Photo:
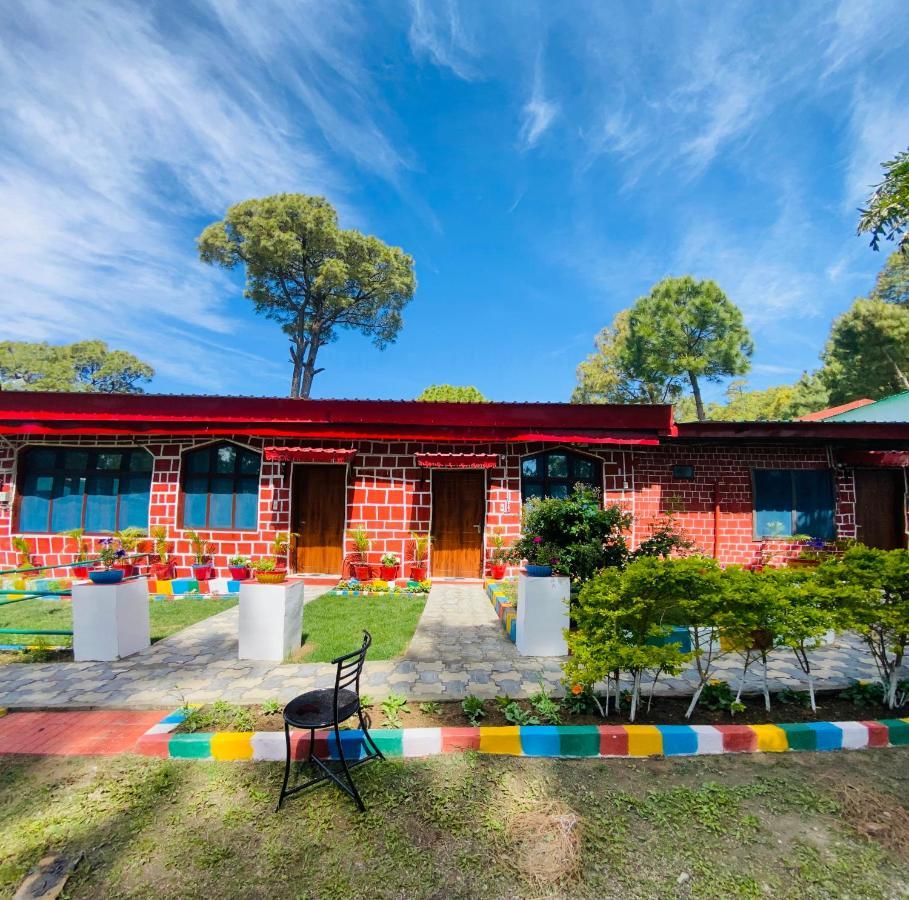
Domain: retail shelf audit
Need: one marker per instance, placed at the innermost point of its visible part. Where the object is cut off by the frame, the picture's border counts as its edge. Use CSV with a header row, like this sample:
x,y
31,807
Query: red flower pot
x,y
203,571
163,571
497,570
239,573
418,572
80,572
389,573
127,567
362,571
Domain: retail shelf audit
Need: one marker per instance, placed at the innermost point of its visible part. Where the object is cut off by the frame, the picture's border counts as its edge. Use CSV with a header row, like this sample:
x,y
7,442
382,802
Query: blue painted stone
x,y
540,740
678,740
829,737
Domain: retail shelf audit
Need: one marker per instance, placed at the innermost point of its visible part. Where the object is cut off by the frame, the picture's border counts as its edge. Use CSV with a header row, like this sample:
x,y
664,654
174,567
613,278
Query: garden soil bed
x,y
665,711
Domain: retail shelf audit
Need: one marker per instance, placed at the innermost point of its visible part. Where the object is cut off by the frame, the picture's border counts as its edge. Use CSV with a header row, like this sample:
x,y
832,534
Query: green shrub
x,y
473,709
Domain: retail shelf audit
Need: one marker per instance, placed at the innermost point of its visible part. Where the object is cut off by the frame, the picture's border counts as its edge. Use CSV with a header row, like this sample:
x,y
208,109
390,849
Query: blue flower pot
x,y
539,571
106,576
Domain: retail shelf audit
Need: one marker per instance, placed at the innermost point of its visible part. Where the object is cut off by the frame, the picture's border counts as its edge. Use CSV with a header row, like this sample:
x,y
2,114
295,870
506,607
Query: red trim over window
x,y
311,454
457,460
875,459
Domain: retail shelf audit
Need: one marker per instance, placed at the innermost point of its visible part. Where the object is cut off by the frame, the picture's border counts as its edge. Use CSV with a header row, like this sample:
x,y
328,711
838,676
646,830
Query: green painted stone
x,y
389,740
899,731
579,740
190,746
800,736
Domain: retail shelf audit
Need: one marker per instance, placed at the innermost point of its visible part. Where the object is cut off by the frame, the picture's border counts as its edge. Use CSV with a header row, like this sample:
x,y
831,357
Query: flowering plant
x,y
390,559
536,551
110,552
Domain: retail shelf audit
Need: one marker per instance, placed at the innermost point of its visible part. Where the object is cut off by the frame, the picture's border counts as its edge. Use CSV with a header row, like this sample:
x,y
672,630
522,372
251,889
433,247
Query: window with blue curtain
x,y
221,488
98,489
794,501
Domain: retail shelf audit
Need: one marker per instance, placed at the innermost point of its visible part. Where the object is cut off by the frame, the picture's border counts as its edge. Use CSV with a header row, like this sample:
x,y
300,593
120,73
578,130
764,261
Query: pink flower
x,y
538,540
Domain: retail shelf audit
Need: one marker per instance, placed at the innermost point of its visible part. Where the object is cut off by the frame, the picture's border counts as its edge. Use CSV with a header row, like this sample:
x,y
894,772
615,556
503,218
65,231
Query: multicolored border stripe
x,y
565,741
504,608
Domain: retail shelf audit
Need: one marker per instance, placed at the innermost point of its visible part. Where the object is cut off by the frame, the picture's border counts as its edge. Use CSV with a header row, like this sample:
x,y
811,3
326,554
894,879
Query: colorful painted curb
x,y
567,741
504,608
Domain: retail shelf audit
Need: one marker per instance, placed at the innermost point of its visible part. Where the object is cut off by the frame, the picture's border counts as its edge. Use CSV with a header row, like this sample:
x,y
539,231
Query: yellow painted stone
x,y
501,739
644,740
770,738
232,745
164,587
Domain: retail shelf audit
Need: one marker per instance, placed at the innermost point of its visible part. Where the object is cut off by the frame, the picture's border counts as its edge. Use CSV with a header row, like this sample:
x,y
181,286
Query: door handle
x,y
479,529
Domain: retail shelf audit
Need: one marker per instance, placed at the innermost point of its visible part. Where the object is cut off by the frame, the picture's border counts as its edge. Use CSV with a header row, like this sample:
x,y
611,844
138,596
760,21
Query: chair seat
x,y
315,709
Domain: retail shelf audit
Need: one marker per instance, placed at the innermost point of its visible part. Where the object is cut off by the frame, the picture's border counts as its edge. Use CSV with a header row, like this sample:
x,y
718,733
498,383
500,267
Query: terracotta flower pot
x,y
163,571
127,568
388,573
203,571
80,572
418,572
362,571
271,577
239,573
497,570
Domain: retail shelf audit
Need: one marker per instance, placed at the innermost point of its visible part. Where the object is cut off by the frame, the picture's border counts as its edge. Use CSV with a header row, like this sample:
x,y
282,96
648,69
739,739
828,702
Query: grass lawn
x,y
333,626
812,825
167,617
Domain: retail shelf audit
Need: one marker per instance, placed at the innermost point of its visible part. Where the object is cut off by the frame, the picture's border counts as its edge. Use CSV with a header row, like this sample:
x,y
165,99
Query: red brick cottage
x,y
240,469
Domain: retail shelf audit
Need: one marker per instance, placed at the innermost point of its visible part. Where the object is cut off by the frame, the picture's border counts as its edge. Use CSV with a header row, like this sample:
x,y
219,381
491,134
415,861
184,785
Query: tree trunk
x,y
309,367
900,377
698,402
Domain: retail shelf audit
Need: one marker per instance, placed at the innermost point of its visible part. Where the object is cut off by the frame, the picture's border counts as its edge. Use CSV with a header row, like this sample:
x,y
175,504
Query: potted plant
x,y
24,549
76,536
110,573
361,547
202,567
267,573
129,539
279,548
499,560
163,569
389,567
420,552
540,557
239,567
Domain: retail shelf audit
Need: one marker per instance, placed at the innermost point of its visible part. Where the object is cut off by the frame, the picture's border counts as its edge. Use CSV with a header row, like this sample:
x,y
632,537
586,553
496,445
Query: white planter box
x,y
271,619
542,616
110,621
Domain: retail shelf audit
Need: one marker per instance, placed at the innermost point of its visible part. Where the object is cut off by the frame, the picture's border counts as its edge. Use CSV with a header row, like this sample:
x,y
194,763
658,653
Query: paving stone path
x,y
458,648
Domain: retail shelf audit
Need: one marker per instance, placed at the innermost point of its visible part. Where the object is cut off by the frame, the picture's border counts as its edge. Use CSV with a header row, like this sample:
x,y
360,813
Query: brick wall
x,y
391,496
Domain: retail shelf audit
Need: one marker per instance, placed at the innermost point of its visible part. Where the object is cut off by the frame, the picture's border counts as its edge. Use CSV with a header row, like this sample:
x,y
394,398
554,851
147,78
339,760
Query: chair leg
x,y
353,788
286,766
368,736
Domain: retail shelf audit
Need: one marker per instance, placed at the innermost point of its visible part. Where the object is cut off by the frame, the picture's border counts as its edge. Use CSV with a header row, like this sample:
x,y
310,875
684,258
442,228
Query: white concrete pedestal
x,y
271,619
542,616
110,621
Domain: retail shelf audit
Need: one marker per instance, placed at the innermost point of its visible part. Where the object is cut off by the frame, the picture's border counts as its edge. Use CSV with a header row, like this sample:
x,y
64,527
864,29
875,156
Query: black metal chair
x,y
328,708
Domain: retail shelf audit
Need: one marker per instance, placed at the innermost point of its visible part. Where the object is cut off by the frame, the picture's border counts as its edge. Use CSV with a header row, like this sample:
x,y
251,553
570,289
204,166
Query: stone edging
x,y
568,741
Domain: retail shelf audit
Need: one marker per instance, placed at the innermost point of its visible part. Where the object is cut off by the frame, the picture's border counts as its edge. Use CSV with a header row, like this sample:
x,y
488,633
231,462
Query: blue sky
x,y
544,163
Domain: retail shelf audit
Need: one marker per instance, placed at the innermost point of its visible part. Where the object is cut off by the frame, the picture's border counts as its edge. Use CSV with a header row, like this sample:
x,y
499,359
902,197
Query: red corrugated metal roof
x,y
834,410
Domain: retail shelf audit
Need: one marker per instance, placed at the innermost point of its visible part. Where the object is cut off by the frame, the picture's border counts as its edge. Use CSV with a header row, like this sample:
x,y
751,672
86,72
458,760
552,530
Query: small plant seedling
x,y
515,715
430,708
502,702
863,693
796,698
473,709
366,701
547,708
271,707
392,706
717,695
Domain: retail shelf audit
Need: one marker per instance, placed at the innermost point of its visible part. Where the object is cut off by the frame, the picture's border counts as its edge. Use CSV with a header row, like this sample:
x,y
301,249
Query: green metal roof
x,y
889,409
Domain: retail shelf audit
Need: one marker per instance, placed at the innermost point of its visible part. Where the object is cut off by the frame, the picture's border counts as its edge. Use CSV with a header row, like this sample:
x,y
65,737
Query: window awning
x,y
457,460
311,454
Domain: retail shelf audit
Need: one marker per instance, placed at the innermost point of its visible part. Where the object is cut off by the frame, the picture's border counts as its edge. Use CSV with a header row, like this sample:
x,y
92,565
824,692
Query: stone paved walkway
x,y
458,649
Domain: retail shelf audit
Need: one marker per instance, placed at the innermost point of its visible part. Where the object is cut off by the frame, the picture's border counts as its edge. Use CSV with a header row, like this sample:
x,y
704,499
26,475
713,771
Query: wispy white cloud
x,y
125,128
437,32
539,112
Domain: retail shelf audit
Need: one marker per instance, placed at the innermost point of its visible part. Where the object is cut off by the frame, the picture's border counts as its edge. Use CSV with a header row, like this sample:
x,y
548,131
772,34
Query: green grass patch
x,y
167,617
464,826
333,626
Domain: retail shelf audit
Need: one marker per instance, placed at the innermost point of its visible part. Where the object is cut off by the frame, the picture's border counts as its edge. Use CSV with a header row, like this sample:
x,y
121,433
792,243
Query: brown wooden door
x,y
458,507
880,508
319,502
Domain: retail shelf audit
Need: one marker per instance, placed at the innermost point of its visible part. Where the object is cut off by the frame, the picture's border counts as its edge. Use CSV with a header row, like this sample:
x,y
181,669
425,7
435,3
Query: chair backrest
x,y
349,668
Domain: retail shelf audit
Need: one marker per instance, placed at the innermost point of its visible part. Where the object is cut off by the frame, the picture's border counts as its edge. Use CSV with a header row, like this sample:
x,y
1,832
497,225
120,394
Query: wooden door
x,y
319,503
880,508
458,513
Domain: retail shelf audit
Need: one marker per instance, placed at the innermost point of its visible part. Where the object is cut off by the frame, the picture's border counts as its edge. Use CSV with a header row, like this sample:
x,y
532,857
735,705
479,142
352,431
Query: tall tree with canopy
x,y
82,366
451,393
687,328
886,214
612,375
312,277
892,282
